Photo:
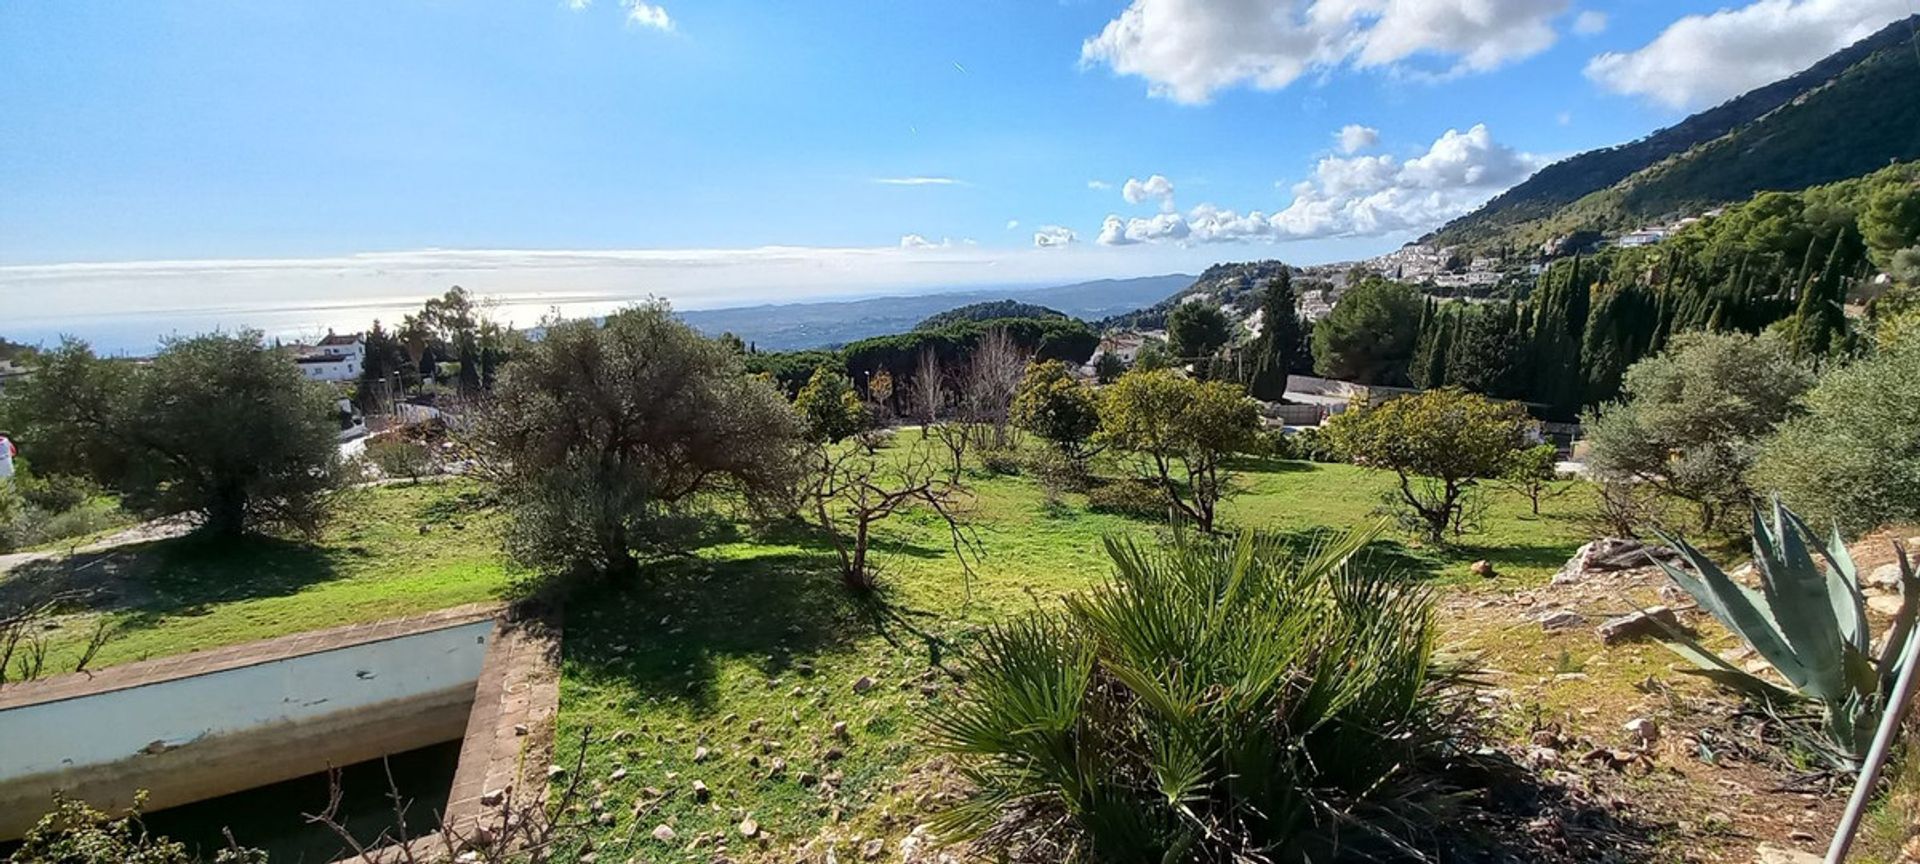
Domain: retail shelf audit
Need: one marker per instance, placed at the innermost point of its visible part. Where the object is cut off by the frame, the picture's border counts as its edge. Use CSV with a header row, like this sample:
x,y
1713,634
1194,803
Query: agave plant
x,y
1810,625
1210,702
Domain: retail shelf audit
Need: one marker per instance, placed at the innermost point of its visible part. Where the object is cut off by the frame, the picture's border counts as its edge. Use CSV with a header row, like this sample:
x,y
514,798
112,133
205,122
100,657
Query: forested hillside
x,y
1847,115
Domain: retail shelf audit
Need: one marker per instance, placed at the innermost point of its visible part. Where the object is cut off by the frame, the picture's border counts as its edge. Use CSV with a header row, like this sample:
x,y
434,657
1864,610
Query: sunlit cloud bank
x,y
125,306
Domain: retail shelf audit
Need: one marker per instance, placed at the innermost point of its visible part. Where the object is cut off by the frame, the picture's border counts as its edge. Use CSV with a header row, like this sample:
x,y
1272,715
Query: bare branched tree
x,y
858,485
515,828
993,376
929,389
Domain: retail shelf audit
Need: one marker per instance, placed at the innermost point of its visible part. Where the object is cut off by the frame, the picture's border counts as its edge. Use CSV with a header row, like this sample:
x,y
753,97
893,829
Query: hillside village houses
x,y
335,358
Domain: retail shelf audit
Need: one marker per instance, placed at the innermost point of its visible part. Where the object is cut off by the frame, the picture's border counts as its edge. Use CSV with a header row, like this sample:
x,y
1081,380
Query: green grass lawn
x,y
389,552
748,651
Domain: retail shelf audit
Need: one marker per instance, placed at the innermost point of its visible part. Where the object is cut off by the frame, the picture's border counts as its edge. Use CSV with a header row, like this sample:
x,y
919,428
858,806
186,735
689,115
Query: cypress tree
x,y
1280,340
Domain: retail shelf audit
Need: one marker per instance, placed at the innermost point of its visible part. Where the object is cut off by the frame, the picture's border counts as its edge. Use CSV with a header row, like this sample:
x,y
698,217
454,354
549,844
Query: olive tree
x,y
1691,419
1183,432
601,434
1853,458
1439,443
219,426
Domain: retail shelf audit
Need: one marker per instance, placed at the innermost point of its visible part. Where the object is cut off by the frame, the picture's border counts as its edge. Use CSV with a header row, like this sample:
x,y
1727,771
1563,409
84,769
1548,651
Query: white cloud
x,y
1155,188
1012,224
1054,236
1564,118
915,241
916,181
1099,185
1352,196
1189,49
577,5
1590,22
644,14
1354,138
1704,59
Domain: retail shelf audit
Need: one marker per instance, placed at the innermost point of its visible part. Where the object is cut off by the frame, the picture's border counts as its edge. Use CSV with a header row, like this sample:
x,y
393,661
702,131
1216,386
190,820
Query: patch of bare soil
x,y
1709,777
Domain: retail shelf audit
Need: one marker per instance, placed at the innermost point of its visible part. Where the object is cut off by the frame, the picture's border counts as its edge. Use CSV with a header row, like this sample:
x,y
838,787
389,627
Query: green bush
x,y
13,518
1002,460
75,833
1210,702
1854,457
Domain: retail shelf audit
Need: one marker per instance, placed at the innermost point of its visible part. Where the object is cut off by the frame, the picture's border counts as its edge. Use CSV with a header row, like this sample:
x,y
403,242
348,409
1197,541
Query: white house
x,y
334,358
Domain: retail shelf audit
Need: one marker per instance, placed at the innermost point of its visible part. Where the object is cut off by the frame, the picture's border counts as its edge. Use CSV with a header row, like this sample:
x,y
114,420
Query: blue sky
x,y
308,133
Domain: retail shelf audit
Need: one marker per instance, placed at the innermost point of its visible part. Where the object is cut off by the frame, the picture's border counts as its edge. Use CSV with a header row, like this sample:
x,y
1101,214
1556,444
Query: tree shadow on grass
x,y
666,635
163,578
1385,555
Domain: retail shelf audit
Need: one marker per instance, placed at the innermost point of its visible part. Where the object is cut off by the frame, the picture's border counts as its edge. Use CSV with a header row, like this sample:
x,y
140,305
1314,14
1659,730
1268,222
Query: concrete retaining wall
x,y
187,729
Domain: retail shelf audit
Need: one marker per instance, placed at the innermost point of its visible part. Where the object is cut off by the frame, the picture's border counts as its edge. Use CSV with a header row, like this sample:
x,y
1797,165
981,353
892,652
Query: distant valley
x,y
794,326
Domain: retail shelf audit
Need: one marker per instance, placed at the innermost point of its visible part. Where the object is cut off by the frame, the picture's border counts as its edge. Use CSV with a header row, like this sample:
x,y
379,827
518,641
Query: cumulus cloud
x,y
1704,59
1187,50
1099,185
1155,188
1590,22
1053,236
1354,138
916,181
644,14
1350,196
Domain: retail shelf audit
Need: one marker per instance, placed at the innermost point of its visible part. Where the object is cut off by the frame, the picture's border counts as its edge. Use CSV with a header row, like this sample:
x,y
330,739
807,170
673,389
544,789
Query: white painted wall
x,y
105,728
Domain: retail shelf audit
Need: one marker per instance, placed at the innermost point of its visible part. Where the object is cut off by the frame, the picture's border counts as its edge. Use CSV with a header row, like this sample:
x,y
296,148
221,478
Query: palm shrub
x,y
1810,625
1210,702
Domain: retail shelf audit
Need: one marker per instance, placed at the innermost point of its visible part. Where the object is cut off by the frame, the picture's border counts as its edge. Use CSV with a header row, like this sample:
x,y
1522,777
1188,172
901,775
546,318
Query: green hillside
x,y
988,311
1847,115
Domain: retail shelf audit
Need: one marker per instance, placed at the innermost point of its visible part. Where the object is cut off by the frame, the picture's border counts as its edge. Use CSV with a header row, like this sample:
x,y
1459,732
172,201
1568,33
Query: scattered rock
x,y
840,729
555,772
664,833
755,724
1610,554
492,797
777,767
1776,855
870,850
1644,731
1637,624
1885,604
1561,619
806,778
520,729
618,774
1482,568
1885,576
700,792
700,754
749,828
863,685
834,754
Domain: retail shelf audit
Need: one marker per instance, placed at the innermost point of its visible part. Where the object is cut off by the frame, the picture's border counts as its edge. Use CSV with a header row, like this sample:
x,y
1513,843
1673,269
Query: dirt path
x,y
145,532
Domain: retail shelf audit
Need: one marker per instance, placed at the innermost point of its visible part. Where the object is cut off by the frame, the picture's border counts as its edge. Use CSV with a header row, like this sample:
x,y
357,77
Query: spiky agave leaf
x,y
1737,607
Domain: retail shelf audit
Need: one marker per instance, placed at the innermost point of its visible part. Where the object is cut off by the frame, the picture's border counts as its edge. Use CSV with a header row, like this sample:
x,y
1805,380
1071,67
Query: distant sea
x,y
142,332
